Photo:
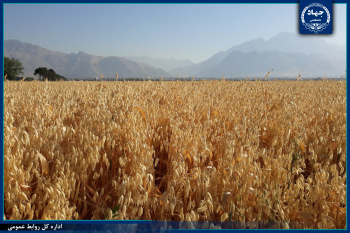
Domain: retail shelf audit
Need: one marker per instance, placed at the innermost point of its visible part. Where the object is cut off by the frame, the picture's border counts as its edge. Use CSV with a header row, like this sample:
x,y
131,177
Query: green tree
x,y
12,67
50,74
42,72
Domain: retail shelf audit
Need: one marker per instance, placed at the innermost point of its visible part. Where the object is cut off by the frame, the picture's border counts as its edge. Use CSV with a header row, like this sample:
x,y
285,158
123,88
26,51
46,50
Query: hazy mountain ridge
x,y
77,65
286,53
165,64
292,43
258,63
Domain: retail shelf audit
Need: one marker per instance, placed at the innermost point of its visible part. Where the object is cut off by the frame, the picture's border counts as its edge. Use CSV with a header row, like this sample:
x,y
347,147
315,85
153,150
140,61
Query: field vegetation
x,y
181,151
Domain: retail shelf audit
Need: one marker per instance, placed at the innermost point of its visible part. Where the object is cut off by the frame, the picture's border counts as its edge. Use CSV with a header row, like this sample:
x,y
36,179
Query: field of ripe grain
x,y
192,151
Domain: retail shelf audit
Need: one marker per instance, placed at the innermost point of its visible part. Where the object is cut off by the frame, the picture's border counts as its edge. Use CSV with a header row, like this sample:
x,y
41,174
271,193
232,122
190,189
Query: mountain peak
x,y
81,53
76,65
288,53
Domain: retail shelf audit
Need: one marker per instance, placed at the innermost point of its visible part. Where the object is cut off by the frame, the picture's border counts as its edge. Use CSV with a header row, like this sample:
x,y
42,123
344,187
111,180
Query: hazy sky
x,y
182,31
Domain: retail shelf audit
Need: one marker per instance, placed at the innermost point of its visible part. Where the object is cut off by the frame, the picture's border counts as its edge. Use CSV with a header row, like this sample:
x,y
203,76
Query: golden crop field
x,y
180,151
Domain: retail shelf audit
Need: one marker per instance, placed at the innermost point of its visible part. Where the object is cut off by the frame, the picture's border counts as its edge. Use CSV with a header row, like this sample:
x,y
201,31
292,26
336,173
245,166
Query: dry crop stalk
x,y
177,151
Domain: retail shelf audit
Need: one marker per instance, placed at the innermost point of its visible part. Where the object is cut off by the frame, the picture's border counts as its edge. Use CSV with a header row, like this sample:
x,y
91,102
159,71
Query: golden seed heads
x,y
195,151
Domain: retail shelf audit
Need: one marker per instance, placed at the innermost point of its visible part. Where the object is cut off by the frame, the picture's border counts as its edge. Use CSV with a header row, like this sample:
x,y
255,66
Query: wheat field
x,y
179,151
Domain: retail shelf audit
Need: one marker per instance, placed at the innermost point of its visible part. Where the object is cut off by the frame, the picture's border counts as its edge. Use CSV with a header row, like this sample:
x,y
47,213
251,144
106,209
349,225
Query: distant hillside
x,y
77,66
165,64
287,53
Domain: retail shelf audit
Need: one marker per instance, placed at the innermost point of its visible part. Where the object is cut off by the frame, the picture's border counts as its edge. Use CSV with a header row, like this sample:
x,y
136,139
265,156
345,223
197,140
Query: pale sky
x,y
181,31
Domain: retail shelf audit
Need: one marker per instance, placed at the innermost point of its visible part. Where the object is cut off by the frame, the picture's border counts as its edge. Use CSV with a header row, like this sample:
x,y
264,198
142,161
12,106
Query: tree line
x,y
13,68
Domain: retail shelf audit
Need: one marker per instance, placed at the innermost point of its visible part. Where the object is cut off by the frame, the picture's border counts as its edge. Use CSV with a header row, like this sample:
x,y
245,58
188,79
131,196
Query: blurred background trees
x,y
12,68
48,74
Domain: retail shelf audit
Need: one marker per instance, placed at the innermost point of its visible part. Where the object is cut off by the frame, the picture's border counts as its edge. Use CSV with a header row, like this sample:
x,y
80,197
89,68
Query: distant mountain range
x,y
165,64
288,54
77,65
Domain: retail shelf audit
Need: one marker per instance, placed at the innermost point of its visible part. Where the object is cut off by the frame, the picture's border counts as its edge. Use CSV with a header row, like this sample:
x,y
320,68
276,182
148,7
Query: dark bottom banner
x,y
148,226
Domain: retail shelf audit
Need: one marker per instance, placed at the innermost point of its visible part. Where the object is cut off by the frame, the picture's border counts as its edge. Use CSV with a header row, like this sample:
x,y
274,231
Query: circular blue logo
x,y
315,17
